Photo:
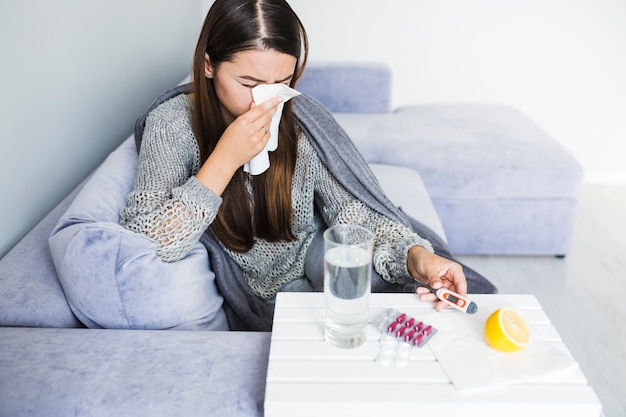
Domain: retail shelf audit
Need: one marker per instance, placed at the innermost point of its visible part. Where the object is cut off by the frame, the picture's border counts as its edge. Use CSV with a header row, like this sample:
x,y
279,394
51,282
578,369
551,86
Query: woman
x,y
191,187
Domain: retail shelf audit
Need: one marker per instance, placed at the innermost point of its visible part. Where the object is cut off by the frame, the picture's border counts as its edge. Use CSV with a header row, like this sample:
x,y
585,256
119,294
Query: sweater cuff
x,y
201,196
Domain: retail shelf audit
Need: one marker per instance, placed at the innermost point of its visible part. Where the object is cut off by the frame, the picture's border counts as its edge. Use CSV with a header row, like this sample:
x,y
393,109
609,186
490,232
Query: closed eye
x,y
255,81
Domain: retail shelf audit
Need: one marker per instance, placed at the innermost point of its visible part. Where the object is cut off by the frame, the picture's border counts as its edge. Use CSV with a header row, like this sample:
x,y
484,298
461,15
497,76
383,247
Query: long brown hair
x,y
233,26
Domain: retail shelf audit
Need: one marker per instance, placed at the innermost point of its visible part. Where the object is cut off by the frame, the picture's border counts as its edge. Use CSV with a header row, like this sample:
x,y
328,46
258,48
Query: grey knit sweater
x,y
169,205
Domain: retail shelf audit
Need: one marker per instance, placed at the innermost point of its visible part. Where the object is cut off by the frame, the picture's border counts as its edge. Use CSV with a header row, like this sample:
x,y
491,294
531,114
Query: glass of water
x,y
347,283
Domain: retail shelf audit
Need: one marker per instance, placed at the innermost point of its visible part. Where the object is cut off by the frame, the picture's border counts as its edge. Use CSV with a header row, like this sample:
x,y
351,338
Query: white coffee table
x,y
308,377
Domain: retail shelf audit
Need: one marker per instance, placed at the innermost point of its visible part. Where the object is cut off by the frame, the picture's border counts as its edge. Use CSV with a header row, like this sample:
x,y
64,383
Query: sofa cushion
x,y
112,277
131,373
30,292
348,87
493,151
500,183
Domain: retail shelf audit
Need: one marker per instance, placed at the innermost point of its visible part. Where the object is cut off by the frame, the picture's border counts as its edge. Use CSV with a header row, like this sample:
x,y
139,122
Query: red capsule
x,y
409,335
419,326
400,331
401,318
410,322
392,326
428,330
418,339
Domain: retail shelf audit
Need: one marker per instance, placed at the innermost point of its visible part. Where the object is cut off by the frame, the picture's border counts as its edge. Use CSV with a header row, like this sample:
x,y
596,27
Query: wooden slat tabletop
x,y
309,377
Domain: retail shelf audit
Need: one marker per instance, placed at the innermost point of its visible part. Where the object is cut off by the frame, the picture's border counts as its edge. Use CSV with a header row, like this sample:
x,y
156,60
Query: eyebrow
x,y
251,78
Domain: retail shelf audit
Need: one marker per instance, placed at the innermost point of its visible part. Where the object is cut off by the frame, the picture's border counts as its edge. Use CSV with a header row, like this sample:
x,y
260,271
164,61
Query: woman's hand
x,y
437,272
242,140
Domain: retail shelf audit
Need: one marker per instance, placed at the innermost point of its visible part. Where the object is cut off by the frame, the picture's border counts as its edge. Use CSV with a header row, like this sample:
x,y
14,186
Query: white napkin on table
x,y
471,364
261,162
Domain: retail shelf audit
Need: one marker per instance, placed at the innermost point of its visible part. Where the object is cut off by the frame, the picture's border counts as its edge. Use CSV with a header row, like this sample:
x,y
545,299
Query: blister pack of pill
x,y
400,333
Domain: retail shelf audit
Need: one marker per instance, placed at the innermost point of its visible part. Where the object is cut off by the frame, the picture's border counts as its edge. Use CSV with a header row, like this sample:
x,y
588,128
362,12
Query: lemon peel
x,y
506,330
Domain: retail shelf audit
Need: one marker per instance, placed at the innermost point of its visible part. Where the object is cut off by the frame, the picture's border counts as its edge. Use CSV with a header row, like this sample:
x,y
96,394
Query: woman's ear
x,y
208,68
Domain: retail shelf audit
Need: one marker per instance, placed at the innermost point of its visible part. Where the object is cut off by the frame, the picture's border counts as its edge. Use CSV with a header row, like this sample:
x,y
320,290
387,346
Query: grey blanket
x,y
246,311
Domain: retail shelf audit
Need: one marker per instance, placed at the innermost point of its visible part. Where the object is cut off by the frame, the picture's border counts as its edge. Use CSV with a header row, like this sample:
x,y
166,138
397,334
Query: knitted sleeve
x,y
392,240
168,204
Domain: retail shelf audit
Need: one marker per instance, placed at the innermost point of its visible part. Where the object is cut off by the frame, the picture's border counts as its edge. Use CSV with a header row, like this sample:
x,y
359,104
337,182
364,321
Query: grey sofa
x,y
483,177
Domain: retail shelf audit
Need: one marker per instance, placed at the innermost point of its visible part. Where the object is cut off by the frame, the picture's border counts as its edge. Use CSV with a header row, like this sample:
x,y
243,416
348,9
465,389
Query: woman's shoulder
x,y
169,126
177,108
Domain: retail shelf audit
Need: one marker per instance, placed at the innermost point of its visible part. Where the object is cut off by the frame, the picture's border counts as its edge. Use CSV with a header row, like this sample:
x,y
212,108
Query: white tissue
x,y
261,162
472,365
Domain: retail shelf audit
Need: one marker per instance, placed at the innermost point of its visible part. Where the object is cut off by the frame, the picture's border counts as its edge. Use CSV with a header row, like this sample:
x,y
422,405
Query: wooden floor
x,y
584,294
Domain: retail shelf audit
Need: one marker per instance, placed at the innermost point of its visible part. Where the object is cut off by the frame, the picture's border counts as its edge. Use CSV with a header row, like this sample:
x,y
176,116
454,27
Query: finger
x,y
435,282
422,290
265,120
428,297
440,305
457,279
266,108
461,283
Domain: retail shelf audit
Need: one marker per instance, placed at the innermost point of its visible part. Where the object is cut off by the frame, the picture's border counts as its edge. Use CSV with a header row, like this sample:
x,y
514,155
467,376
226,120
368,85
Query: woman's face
x,y
235,79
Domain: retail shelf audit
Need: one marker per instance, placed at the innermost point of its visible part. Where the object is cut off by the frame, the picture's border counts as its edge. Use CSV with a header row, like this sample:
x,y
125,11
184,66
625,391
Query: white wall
x,y
74,75
562,62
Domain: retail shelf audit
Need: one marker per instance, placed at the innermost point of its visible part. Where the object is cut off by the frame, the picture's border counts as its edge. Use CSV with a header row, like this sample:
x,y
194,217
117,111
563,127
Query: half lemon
x,y
506,330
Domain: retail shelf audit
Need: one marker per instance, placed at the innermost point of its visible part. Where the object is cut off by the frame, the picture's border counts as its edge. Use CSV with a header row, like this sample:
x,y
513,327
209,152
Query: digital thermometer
x,y
453,299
